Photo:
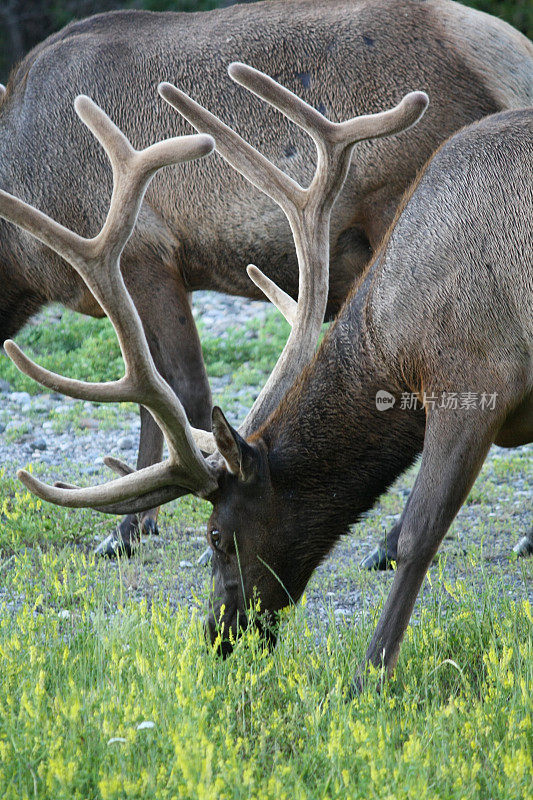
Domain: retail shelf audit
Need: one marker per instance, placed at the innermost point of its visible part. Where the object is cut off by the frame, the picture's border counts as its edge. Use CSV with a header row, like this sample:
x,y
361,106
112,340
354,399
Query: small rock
x,y
145,725
91,470
88,423
39,444
20,397
40,408
125,443
205,558
186,564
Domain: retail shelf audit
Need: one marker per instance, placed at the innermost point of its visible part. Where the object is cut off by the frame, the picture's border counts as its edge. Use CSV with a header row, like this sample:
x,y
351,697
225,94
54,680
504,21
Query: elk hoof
x,y
356,687
524,546
205,558
113,546
379,558
125,540
149,527
358,684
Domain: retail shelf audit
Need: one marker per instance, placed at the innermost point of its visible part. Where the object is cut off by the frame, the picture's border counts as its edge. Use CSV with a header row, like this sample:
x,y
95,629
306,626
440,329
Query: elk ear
x,y
235,451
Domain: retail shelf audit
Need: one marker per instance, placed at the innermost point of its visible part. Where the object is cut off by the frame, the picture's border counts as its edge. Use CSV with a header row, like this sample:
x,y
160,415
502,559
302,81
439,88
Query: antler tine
x,y
113,391
97,261
134,505
283,301
64,242
292,106
307,210
152,499
139,501
117,465
117,146
385,123
242,156
132,171
131,485
310,223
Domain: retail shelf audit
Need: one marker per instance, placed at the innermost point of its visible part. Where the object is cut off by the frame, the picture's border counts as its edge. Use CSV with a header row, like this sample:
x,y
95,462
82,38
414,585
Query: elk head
x,y
246,557
253,526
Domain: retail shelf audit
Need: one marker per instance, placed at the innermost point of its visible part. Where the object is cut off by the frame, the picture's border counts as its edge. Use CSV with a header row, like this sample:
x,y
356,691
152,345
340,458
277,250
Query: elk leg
x,y
387,550
382,556
17,305
451,460
128,533
177,352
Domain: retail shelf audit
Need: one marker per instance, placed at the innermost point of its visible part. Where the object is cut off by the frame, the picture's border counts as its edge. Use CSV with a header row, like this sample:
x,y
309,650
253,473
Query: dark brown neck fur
x,y
331,452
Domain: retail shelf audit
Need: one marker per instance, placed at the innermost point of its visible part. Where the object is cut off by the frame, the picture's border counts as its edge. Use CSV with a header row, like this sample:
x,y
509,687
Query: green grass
x,y
82,664
247,359
77,346
85,348
90,650
26,521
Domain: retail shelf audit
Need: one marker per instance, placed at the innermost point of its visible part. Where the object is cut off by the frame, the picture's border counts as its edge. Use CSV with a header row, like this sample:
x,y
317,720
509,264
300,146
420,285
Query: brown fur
x,y
202,223
444,307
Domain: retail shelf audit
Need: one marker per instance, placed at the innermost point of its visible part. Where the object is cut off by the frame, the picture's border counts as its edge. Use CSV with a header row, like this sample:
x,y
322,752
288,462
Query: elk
x,y
444,308
200,222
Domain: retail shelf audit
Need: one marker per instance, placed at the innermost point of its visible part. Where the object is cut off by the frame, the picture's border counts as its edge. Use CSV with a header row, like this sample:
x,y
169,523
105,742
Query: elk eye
x,y
215,538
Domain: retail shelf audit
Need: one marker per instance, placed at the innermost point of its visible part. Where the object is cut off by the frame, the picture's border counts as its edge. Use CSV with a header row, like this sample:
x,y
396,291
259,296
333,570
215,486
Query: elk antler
x,y
97,260
307,210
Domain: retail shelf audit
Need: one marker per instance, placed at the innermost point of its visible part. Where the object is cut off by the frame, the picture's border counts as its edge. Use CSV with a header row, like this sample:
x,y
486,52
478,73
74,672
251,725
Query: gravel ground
x,y
28,432
487,527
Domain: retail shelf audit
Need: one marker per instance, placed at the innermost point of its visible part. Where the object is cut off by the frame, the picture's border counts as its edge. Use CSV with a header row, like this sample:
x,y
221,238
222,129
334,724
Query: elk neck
x,y
331,451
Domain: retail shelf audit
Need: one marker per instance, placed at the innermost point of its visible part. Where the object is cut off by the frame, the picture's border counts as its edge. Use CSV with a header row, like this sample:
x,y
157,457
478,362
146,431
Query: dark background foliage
x,y
24,23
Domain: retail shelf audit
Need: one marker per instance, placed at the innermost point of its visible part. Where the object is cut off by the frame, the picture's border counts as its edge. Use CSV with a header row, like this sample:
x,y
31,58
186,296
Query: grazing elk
x,y
200,222
444,308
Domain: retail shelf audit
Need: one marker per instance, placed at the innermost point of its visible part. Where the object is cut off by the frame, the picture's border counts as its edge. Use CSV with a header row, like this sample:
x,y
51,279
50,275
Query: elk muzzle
x,y
224,630
223,627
